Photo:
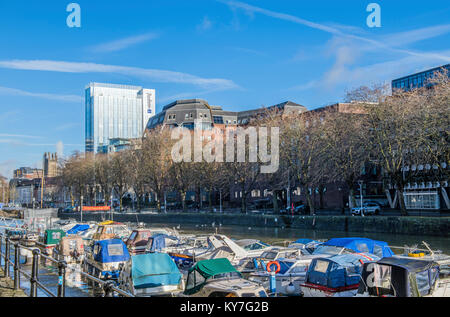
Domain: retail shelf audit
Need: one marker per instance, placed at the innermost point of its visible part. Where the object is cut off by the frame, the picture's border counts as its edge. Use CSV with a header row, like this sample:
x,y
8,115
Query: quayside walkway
x,y
7,287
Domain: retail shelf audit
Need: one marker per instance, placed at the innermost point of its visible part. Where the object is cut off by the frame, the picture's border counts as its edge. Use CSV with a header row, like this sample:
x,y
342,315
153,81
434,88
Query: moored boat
x,y
151,274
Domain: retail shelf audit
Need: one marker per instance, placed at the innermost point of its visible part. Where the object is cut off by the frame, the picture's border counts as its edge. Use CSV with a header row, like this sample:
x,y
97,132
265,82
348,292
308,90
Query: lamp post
x,y
360,182
33,217
81,208
111,208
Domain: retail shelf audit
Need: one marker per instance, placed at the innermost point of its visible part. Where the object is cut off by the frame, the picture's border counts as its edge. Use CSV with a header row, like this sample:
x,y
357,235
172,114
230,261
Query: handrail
x,y
108,287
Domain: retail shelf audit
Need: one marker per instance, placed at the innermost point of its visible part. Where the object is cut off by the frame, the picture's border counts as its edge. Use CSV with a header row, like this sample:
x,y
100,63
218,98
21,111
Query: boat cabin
x,y
151,274
111,230
401,277
338,275
137,241
106,258
70,249
218,278
49,240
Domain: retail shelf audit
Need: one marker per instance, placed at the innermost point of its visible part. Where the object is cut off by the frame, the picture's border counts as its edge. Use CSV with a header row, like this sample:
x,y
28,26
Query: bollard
x,y
7,257
62,279
108,288
16,266
34,273
273,283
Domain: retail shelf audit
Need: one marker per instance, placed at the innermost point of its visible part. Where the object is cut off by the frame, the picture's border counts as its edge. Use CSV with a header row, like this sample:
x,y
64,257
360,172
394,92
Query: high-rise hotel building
x,y
116,112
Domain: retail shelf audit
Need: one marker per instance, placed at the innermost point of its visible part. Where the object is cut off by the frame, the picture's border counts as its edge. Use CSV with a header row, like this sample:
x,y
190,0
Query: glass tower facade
x,y
116,112
418,80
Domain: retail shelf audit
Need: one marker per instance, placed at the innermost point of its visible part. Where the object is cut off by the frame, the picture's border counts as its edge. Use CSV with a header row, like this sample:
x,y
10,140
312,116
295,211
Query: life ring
x,y
272,263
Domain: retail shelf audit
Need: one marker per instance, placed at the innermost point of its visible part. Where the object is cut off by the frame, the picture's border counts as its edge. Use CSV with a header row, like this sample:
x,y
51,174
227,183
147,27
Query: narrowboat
x,y
151,274
335,276
106,258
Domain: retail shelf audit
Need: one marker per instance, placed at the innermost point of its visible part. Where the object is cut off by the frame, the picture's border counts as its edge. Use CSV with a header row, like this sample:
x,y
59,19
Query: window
x,y
321,266
218,119
115,249
362,247
378,250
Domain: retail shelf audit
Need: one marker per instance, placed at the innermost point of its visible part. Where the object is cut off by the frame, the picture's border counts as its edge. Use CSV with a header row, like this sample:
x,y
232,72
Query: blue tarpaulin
x,y
158,242
77,228
112,250
378,248
339,270
153,270
304,241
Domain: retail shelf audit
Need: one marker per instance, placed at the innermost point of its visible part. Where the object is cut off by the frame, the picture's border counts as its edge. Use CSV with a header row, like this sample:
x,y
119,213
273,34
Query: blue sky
x,y
239,55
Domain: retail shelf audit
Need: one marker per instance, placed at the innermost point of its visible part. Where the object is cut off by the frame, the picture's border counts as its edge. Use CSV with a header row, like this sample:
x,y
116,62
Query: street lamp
x,y
360,182
111,208
81,208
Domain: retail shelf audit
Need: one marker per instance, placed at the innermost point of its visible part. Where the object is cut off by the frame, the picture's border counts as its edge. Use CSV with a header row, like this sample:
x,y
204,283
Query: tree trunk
x,y
401,201
183,200
310,203
244,203
276,208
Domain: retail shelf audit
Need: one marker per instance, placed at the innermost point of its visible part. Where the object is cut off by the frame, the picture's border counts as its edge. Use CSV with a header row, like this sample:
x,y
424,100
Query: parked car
x,y
369,208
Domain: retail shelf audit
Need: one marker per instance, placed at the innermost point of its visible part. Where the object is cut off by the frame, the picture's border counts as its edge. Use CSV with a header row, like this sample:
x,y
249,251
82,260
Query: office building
x,y
116,112
418,80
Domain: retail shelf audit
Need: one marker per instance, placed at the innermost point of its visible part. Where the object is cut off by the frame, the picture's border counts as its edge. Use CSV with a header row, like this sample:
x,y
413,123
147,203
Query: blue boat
x,y
335,276
354,245
77,229
106,259
151,274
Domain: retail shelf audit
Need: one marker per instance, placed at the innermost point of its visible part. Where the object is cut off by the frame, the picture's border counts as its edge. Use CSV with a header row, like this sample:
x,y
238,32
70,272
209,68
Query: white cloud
x,y
205,25
19,92
19,136
121,44
156,75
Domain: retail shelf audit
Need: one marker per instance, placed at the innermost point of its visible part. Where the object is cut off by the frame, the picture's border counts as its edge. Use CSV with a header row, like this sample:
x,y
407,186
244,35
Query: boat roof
x,y
209,268
411,265
351,259
78,228
107,253
154,269
360,245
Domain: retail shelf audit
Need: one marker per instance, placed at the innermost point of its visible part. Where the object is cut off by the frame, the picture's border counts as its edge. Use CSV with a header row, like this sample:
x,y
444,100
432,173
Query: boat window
x,y
133,235
99,229
321,266
115,249
299,269
145,235
96,249
327,249
262,294
383,276
423,284
109,230
269,255
227,275
378,250
362,247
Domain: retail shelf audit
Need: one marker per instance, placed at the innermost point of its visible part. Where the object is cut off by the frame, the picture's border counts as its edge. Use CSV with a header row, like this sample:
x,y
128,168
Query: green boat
x,y
49,240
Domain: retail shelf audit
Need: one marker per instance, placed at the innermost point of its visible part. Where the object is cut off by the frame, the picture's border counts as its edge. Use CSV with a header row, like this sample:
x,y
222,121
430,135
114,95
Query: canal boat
x,y
335,276
290,274
15,234
218,278
138,240
49,240
106,258
70,249
403,277
151,274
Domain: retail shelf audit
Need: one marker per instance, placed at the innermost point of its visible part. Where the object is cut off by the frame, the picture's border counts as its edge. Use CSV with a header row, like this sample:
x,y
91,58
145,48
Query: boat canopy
x,y
364,245
399,277
305,241
78,228
159,241
204,270
112,250
338,271
53,236
154,270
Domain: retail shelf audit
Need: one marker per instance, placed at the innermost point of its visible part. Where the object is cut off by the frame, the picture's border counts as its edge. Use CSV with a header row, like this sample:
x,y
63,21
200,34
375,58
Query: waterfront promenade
x,y
7,287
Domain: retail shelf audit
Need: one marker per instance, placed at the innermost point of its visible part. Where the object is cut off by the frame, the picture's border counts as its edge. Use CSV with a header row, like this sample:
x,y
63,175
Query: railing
x,y
108,287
